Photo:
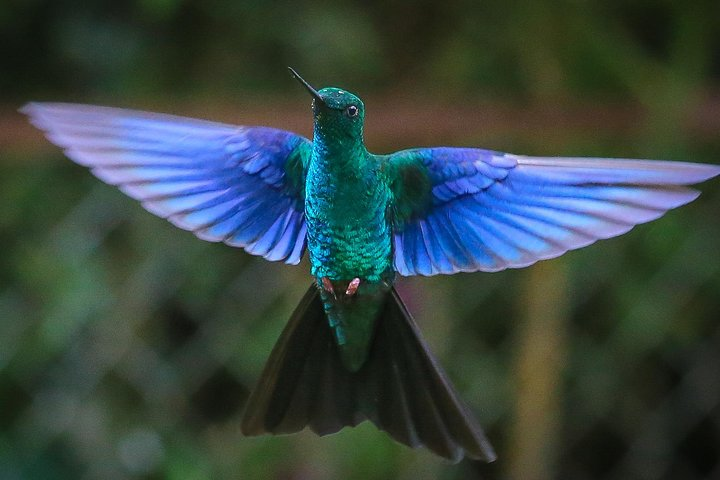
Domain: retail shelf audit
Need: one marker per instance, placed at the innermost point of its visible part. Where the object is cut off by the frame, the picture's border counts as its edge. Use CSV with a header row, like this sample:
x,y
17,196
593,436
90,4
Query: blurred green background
x,y
128,347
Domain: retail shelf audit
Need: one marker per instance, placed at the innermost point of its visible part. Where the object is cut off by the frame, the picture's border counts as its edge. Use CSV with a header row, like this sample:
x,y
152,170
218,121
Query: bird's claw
x,y
352,287
328,286
351,290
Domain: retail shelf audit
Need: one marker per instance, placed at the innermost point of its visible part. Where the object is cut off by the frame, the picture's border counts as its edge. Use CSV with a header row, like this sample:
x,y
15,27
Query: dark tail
x,y
401,388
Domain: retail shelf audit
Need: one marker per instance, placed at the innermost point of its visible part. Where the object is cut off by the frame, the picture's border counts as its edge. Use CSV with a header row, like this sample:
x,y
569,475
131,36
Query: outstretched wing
x,y
240,185
465,210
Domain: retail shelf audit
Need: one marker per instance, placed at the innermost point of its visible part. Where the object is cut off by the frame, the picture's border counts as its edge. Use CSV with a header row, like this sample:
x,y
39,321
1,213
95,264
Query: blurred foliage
x,y
128,347
528,49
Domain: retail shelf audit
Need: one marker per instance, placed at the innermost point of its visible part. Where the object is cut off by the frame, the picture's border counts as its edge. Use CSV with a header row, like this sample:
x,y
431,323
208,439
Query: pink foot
x,y
327,285
352,287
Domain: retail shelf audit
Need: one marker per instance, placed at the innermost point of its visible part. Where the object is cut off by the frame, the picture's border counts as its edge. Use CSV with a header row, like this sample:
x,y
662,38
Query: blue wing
x,y
240,185
465,210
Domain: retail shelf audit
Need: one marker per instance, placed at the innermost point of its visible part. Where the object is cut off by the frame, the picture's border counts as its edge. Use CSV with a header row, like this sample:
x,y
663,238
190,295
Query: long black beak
x,y
305,84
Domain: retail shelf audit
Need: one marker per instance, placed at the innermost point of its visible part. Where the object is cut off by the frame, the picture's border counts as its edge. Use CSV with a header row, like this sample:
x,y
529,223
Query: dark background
x,y
128,347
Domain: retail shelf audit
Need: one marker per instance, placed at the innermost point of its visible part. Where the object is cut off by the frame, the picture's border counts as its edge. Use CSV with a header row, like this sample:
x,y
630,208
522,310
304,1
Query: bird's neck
x,y
340,152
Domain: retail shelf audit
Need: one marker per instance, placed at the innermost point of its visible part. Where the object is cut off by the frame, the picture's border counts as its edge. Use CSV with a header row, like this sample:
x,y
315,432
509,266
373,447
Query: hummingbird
x,y
351,351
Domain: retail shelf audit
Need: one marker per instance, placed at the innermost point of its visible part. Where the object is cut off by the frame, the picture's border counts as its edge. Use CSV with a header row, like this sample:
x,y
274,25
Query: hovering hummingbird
x,y
351,351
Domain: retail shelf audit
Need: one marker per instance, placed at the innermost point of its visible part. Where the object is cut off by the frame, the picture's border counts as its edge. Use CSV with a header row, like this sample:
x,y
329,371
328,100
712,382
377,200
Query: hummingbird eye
x,y
352,111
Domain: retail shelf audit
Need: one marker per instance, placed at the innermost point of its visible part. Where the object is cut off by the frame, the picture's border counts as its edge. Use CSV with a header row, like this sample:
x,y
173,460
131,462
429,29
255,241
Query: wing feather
x,y
225,183
489,211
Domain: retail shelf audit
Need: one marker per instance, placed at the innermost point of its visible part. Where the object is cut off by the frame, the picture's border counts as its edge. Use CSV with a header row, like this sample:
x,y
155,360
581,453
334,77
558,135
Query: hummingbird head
x,y
337,112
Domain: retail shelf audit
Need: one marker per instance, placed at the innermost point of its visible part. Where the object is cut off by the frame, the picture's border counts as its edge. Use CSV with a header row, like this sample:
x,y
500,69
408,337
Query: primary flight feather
x,y
351,351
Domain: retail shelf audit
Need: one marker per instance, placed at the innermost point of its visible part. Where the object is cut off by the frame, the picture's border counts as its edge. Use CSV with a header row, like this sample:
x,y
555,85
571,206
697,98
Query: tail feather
x,y
400,388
